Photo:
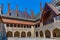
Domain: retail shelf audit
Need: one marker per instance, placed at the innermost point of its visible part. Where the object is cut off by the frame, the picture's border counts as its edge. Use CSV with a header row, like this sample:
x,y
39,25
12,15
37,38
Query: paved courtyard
x,y
33,38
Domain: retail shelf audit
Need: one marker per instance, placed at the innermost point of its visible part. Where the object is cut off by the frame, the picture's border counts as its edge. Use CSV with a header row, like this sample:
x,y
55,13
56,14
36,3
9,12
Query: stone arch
x,y
23,34
56,32
29,34
9,34
16,34
36,34
47,34
41,34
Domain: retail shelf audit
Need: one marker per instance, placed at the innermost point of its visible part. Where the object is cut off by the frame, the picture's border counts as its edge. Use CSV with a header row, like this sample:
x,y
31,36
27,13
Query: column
x,y
51,34
13,34
13,30
38,34
20,34
44,34
32,31
55,20
23,26
9,25
41,24
5,26
26,34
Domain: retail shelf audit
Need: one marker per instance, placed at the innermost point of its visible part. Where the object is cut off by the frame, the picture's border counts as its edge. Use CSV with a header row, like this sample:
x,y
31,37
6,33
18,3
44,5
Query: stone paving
x,y
33,38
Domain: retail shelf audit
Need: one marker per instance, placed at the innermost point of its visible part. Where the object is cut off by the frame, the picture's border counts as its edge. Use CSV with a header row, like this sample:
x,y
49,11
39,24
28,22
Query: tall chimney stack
x,y
9,9
25,13
32,14
2,8
17,10
41,8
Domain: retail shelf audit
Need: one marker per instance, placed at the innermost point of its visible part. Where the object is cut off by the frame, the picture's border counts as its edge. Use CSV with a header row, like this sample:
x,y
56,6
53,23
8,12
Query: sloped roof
x,y
54,9
20,18
49,7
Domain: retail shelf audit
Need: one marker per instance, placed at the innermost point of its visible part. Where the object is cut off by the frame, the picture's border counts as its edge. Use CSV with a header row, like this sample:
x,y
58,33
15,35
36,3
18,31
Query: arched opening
x,y
47,34
16,34
41,34
56,32
9,34
29,34
36,34
23,34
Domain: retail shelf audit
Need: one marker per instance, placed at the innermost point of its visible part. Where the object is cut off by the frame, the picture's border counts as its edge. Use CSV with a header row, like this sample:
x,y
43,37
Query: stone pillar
x,y
51,34
13,30
41,24
32,31
26,34
38,34
44,34
13,34
5,27
20,34
55,20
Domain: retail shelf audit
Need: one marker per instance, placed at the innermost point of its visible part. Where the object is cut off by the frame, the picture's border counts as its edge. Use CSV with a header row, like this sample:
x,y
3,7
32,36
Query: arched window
x,y
36,34
56,32
9,34
47,34
23,34
41,34
29,34
16,34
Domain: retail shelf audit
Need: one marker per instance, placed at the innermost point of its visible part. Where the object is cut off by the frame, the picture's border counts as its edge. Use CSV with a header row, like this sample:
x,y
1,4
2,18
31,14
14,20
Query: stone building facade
x,y
23,25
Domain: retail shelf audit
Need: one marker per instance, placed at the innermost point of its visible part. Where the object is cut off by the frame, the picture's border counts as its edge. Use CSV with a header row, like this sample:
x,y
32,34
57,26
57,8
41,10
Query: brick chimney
x,y
2,8
32,14
41,8
16,10
25,13
9,9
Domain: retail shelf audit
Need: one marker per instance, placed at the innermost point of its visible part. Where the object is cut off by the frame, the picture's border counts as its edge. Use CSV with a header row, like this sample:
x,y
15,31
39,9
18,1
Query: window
x,y
24,26
27,26
7,24
11,25
30,26
18,25
36,34
36,26
14,25
21,25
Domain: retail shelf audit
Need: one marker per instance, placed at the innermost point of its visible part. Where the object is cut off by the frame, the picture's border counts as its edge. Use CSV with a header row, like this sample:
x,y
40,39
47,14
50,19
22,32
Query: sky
x,y
29,4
